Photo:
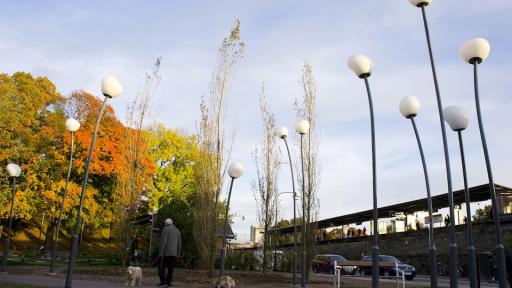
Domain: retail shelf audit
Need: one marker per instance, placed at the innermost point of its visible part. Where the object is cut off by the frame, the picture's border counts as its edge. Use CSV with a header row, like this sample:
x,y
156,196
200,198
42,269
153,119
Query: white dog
x,y
223,282
133,276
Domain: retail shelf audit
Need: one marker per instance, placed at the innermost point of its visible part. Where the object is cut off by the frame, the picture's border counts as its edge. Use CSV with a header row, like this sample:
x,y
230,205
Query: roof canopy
x,y
477,194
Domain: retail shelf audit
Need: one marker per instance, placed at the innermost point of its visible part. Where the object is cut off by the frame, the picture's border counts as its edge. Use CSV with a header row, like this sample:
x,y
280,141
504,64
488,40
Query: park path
x,y
51,282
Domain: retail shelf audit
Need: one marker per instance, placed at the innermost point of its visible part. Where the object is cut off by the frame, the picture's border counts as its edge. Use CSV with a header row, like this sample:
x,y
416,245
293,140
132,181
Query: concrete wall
x,y
412,246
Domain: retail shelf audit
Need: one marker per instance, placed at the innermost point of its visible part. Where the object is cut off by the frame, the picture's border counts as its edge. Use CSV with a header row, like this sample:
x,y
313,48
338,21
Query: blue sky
x,y
76,43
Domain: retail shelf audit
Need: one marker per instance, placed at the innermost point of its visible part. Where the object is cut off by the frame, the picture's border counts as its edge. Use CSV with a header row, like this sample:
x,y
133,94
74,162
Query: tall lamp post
x,y
72,126
362,67
110,88
474,52
409,107
457,118
14,172
453,244
152,214
302,127
235,170
283,133
275,228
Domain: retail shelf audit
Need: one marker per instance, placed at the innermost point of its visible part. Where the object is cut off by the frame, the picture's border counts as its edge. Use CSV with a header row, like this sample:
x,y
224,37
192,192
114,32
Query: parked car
x,y
409,270
324,263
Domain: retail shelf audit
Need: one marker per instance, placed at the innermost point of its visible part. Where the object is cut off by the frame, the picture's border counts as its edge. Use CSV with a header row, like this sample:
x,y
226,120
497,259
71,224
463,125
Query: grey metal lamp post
x,y
457,118
14,172
283,133
302,127
453,244
362,67
474,52
72,126
152,214
235,170
110,88
409,107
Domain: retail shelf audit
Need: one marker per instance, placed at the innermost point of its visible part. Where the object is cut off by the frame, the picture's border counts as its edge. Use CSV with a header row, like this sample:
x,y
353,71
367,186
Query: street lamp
x,y
453,244
110,88
14,172
72,126
362,67
283,133
474,52
235,170
302,127
457,118
152,214
409,107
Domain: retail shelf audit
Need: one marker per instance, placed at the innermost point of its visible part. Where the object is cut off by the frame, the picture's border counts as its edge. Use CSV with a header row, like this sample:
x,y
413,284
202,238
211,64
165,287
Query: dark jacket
x,y
170,241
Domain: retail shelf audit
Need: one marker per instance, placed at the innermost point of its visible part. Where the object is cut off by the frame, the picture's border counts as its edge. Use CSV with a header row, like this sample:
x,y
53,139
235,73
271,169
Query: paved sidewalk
x,y
52,282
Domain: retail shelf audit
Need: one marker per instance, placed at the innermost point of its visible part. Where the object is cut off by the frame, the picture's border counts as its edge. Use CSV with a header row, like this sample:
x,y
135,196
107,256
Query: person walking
x,y
169,250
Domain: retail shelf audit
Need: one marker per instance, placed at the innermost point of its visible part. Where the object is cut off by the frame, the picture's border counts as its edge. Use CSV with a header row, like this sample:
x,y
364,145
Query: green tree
x,y
483,215
181,211
175,156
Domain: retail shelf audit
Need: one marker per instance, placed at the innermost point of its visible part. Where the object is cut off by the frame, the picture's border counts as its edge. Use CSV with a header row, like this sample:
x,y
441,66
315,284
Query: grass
x,y
81,262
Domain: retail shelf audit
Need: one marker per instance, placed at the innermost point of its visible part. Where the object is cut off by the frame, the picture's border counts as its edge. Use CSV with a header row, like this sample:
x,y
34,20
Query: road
x,y
420,281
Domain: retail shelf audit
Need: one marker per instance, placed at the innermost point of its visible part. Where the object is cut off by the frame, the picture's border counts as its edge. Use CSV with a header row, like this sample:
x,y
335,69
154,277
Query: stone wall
x,y
412,246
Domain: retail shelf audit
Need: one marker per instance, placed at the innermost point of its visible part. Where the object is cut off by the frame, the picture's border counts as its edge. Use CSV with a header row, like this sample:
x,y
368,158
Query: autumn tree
x,y
30,135
108,165
213,151
305,108
267,158
32,116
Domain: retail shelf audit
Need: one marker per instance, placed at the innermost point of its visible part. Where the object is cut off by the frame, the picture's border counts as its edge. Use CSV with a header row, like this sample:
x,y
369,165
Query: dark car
x,y
324,263
409,270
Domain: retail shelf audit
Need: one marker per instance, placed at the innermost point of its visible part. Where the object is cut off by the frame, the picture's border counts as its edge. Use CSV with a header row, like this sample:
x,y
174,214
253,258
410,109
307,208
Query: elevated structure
x,y
478,194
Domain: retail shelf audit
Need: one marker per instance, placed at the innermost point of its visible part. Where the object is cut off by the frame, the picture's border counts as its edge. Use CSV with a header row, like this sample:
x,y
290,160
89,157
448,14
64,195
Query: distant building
x,y
256,234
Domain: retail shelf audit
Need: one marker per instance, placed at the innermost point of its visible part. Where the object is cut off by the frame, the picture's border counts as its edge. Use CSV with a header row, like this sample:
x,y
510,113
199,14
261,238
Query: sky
x,y
76,43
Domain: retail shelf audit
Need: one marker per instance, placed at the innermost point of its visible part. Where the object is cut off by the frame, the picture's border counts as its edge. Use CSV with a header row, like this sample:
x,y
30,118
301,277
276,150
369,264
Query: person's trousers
x,y
166,262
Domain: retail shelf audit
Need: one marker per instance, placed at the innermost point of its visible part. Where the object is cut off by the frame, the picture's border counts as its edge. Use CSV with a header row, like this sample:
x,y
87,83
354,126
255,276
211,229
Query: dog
x,y
133,276
223,282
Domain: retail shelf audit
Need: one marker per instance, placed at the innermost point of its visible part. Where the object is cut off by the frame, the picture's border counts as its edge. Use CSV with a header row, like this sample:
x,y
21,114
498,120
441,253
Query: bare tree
x,y
133,186
267,159
305,108
213,153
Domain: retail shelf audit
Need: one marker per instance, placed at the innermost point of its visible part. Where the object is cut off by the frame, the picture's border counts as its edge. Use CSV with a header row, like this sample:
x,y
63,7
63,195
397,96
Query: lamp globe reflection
x,y
13,170
457,117
475,50
110,87
72,125
409,106
361,65
282,132
302,127
236,170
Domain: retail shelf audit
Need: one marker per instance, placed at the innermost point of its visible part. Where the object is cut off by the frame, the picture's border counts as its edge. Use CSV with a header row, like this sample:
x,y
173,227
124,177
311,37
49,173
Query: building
x,y
256,235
